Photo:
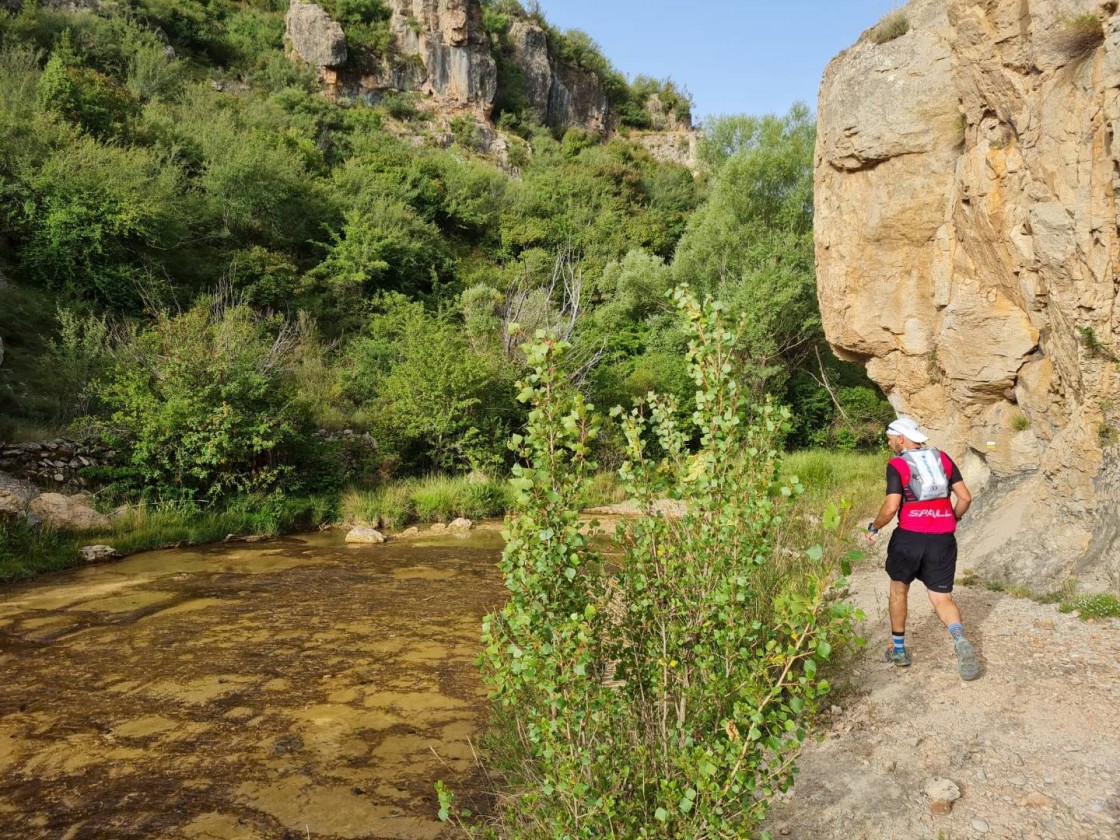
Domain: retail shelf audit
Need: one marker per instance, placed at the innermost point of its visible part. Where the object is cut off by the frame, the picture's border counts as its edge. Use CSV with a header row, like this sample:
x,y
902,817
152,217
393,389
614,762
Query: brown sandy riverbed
x,y
292,688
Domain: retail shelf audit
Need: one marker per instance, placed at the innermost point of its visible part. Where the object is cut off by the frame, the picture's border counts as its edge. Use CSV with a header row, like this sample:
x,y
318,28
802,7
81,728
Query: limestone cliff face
x,y
967,245
455,59
441,49
562,96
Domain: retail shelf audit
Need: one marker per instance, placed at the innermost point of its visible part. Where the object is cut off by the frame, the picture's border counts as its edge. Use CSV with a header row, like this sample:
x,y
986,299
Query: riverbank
x,y
27,551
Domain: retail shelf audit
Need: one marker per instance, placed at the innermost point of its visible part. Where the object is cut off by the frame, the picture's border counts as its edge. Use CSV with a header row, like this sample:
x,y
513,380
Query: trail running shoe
x,y
966,659
898,657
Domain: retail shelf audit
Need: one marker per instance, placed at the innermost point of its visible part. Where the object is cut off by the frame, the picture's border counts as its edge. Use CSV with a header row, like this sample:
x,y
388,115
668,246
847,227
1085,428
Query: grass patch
x,y
852,481
1080,36
893,25
385,507
483,499
26,551
1102,605
1094,345
603,489
435,498
831,477
968,578
1107,434
1020,423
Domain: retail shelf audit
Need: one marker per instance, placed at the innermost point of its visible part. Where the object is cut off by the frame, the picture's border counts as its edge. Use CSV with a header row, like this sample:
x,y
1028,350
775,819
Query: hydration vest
x,y
925,474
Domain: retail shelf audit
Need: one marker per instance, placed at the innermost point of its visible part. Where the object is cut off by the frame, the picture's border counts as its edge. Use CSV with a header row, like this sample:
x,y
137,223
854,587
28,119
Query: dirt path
x,y
1033,745
295,688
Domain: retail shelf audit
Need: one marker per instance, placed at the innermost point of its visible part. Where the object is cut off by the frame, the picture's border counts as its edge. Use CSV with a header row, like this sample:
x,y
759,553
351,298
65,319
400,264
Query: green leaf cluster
x,y
204,407
657,683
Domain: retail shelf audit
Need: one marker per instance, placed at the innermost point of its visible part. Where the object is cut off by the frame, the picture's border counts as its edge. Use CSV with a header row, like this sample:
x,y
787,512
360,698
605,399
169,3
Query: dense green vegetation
x,y
661,693
209,263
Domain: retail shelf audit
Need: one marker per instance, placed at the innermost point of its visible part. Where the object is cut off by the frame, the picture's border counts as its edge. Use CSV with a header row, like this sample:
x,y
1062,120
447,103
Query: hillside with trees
x,y
219,270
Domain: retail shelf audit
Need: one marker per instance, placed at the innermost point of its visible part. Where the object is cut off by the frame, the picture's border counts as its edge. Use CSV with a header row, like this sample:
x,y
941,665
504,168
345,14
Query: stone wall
x,y
967,242
54,464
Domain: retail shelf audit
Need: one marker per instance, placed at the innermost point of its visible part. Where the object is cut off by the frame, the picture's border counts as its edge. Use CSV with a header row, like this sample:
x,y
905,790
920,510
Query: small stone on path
x,y
980,826
1037,800
942,793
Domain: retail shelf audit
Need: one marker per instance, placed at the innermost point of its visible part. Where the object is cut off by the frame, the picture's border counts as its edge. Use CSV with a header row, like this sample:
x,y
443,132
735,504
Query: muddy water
x,y
293,688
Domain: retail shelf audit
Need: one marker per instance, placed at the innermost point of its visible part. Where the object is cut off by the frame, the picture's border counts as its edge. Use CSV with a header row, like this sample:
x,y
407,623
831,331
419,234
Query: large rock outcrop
x,y
314,36
562,96
453,51
967,244
440,48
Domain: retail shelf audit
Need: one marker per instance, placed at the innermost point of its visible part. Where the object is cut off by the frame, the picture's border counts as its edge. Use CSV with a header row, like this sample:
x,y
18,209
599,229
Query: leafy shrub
x,y
153,77
635,111
436,403
400,106
261,186
254,36
465,131
578,50
87,98
357,11
203,408
384,247
893,25
94,216
264,278
74,363
662,695
191,25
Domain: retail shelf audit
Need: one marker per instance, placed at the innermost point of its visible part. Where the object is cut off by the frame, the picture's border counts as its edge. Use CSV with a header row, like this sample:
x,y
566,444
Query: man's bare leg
x,y
897,602
950,615
896,653
945,607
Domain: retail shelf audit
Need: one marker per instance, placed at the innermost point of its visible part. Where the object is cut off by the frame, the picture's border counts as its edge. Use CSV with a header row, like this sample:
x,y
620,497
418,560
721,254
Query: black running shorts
x,y
931,558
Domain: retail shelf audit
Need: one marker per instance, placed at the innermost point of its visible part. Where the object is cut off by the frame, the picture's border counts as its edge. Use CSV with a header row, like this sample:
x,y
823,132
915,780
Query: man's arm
x,y
886,513
963,500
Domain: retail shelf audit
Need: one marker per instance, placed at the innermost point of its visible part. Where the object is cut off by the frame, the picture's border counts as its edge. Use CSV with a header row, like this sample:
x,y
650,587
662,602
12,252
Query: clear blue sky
x,y
745,57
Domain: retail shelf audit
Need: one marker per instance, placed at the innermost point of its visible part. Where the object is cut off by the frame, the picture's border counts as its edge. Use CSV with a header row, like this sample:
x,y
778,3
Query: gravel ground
x,y
1032,746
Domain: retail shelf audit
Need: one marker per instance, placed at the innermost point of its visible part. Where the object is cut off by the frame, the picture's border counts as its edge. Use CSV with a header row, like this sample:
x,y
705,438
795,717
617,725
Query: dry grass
x,y
893,25
1080,36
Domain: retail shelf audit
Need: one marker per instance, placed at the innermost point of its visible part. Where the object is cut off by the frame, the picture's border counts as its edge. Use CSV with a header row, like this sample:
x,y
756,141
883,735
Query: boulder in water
x,y
94,553
367,536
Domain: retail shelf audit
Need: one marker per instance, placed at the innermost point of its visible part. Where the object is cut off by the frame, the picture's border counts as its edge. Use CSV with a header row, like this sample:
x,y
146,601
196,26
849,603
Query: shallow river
x,y
286,689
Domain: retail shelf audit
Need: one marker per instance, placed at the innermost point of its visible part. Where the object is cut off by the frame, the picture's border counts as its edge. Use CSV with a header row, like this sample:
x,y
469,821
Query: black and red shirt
x,y
934,516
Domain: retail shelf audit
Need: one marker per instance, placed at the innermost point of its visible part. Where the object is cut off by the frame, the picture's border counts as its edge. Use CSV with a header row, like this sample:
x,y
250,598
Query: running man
x,y
924,545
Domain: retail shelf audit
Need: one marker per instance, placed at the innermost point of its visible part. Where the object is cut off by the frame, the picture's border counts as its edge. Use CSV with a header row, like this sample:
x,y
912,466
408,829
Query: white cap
x,y
908,429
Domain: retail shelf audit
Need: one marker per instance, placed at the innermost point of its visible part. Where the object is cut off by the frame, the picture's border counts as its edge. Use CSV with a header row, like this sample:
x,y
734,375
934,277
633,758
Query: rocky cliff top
x,y
966,235
441,50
